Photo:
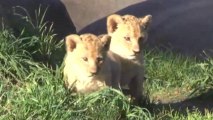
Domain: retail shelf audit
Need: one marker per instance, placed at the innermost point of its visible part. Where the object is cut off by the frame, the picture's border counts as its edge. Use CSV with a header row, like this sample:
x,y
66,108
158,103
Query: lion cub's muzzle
x,y
94,66
136,49
93,69
136,53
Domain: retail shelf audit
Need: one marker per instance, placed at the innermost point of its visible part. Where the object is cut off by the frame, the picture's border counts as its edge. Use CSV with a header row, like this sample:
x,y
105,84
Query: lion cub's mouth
x,y
92,74
132,57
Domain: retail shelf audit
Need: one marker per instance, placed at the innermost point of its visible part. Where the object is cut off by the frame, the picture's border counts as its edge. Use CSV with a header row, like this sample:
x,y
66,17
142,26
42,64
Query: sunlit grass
x,y
31,89
171,76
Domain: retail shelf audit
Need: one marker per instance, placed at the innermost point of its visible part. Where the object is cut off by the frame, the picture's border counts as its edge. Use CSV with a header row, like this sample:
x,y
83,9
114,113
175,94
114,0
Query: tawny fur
x,y
128,33
88,64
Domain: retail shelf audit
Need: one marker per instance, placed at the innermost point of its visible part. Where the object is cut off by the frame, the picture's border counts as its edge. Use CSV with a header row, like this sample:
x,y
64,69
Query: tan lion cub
x,y
127,34
87,65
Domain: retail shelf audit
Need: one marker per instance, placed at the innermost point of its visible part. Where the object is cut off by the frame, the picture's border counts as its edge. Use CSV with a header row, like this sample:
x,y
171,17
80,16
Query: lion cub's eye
x,y
100,59
85,59
127,39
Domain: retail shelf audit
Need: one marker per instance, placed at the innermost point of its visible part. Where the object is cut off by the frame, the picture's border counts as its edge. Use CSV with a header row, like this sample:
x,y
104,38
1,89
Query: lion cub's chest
x,y
130,70
88,86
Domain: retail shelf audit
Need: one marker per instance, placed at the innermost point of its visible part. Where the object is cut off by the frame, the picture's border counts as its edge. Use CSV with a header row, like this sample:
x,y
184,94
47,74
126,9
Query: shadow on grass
x,y
201,103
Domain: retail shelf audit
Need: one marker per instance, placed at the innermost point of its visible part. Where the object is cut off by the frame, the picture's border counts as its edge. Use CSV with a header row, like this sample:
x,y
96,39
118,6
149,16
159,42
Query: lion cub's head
x,y
86,53
128,33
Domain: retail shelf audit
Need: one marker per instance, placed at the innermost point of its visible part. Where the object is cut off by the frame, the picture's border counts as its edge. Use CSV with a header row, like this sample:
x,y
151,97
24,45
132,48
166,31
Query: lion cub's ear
x,y
105,39
146,21
112,22
71,42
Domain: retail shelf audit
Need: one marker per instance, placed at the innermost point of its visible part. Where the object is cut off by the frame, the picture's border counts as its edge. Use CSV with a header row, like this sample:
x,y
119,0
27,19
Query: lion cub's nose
x,y
136,52
136,49
93,70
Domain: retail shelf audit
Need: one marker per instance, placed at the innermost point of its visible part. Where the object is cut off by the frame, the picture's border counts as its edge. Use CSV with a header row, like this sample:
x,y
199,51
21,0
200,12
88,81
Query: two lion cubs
x,y
94,62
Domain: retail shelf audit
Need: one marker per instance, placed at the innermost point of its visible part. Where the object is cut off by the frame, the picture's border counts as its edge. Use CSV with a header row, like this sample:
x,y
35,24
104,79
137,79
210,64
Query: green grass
x,y
173,76
32,89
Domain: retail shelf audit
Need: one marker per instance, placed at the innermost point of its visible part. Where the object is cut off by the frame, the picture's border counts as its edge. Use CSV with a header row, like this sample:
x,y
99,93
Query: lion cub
x,y
87,65
128,33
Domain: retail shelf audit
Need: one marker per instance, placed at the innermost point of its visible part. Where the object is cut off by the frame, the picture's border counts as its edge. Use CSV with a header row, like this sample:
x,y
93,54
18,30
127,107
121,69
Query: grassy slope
x,y
30,90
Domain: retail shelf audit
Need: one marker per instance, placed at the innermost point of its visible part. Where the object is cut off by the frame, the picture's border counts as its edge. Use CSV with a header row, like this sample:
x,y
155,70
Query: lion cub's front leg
x,y
69,81
136,88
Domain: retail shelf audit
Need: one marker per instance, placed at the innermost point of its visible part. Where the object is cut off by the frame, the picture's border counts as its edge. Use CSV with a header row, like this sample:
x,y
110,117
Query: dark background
x,y
184,26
